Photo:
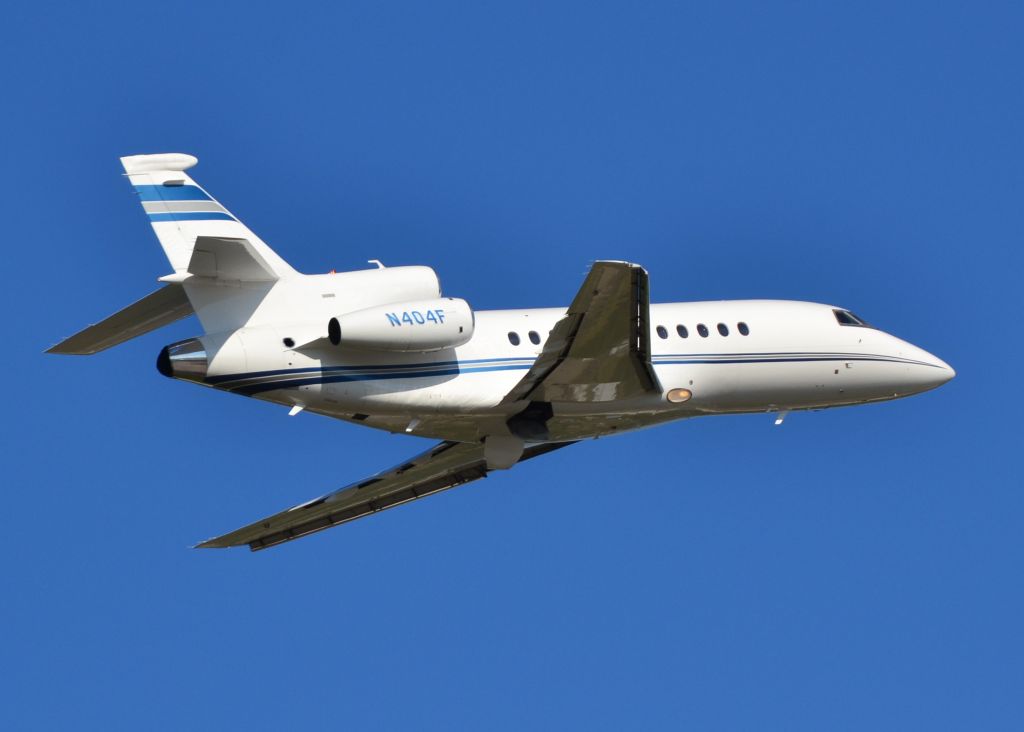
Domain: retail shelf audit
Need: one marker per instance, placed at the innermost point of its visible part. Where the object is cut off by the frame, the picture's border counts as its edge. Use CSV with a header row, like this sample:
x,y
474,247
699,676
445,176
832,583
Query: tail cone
x,y
184,360
163,362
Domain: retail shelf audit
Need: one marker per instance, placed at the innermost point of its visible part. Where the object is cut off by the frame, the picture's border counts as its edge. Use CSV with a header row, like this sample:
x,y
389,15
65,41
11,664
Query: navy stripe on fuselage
x,y
334,378
781,355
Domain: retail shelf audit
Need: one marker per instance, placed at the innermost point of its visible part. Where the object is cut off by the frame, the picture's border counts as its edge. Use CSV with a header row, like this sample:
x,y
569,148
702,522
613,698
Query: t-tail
x,y
207,247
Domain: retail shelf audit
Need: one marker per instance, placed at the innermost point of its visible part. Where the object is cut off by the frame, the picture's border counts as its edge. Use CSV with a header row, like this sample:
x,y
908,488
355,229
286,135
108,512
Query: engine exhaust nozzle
x,y
184,360
334,331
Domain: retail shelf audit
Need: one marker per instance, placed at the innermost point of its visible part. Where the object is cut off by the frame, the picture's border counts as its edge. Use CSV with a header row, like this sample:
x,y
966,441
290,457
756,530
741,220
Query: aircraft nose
x,y
947,372
932,371
941,373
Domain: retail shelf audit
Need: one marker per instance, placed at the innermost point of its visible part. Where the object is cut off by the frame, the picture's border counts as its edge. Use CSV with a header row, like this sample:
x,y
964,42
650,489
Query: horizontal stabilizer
x,y
160,308
229,259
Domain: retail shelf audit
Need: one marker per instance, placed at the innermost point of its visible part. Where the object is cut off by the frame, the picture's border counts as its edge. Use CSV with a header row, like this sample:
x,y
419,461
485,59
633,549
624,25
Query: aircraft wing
x,y
601,350
446,465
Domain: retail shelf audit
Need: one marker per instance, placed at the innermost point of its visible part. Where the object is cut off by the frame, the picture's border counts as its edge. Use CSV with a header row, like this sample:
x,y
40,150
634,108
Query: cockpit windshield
x,y
845,317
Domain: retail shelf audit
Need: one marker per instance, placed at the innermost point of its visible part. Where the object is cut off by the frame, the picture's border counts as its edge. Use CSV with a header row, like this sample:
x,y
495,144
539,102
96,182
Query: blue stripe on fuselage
x,y
337,374
390,366
668,359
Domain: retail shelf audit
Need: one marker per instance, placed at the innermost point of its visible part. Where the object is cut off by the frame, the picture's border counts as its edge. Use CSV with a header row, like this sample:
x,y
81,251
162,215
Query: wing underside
x,y
446,465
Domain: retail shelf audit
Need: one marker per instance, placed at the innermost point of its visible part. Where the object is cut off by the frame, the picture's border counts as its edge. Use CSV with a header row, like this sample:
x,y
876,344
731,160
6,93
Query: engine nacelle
x,y
416,326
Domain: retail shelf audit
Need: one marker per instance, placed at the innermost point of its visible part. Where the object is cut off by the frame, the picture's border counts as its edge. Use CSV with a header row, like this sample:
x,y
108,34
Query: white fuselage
x,y
384,347
795,355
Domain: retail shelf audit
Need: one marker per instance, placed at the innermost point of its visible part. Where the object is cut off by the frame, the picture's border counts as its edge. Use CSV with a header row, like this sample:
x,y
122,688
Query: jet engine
x,y
413,326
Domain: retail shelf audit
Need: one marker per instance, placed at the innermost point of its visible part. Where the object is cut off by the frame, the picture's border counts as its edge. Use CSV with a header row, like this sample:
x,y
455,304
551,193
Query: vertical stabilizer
x,y
180,211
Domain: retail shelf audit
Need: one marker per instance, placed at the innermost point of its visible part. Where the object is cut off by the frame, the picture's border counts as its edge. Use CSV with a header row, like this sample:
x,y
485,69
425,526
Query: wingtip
x,y
218,542
208,544
59,349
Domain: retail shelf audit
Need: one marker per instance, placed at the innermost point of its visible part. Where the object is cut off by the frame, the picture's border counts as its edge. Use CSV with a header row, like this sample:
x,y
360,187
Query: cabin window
x,y
662,333
534,338
845,317
682,331
743,329
723,329
288,342
513,338
703,330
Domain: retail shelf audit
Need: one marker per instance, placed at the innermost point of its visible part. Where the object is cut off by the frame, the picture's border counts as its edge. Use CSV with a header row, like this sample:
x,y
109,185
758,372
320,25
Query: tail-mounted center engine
x,y
420,325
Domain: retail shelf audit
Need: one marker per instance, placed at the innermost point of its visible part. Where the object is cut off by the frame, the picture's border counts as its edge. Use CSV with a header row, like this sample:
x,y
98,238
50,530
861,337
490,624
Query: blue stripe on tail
x,y
191,216
172,193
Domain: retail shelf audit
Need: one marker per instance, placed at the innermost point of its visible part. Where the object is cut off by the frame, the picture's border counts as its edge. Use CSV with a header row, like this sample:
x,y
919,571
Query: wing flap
x,y
155,310
446,465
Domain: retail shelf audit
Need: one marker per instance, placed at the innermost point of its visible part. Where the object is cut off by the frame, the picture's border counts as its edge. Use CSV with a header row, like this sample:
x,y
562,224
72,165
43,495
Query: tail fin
x,y
204,243
181,211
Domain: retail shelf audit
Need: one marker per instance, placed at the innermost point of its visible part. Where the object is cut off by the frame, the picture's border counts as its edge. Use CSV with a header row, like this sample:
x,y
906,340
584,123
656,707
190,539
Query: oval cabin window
x,y
513,338
662,333
743,329
723,329
703,330
682,331
534,338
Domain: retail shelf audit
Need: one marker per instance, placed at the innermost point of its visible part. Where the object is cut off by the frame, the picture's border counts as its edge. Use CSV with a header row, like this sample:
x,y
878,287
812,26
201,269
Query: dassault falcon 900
x,y
382,347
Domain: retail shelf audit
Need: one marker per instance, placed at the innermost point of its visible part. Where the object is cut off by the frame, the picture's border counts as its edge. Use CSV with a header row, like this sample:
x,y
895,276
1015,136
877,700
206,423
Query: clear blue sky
x,y
854,569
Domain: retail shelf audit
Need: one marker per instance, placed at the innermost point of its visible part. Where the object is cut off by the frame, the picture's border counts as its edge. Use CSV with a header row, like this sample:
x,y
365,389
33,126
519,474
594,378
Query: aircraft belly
x,y
475,427
566,427
460,393
467,406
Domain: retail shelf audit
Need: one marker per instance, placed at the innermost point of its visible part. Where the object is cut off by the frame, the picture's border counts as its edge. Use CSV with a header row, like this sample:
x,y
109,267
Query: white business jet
x,y
382,347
